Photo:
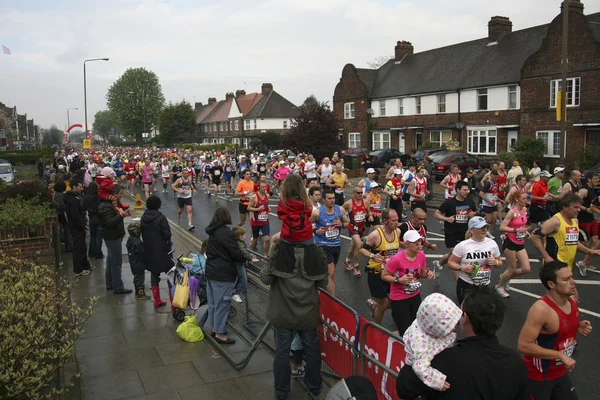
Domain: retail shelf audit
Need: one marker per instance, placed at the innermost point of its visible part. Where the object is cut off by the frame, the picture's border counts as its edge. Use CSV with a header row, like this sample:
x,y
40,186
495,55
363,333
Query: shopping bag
x,y
182,292
193,284
189,330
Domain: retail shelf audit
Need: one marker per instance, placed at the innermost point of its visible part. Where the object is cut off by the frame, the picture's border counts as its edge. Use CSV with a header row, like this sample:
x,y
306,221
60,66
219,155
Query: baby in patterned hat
x,y
429,334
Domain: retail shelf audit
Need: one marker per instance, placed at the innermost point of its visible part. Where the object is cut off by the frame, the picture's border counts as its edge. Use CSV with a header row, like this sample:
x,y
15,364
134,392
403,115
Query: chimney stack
x,y
239,93
575,6
498,27
197,105
229,95
212,100
266,88
403,49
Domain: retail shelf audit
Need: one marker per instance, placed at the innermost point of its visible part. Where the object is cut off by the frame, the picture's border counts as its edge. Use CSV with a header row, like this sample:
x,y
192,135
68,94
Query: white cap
x,y
397,171
412,236
374,185
558,169
370,171
545,173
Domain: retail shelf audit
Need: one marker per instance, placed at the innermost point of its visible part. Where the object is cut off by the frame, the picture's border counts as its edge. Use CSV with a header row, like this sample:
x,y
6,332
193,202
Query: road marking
x,y
537,296
594,271
435,233
529,281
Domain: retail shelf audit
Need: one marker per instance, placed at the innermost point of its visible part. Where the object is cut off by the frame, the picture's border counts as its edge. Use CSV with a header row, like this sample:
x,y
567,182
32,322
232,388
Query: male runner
x,y
407,178
572,186
562,233
228,175
380,246
184,187
310,169
449,182
417,223
540,198
259,217
216,172
366,182
417,190
244,189
549,335
374,206
337,182
206,174
587,222
324,172
555,188
357,213
490,199
176,171
329,218
455,212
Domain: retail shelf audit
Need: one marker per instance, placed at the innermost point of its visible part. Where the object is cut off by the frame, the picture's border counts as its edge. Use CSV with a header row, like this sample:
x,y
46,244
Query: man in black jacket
x,y
112,230
76,220
478,366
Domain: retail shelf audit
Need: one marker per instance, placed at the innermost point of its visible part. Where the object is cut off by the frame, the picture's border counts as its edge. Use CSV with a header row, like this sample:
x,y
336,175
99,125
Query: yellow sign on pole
x,y
87,144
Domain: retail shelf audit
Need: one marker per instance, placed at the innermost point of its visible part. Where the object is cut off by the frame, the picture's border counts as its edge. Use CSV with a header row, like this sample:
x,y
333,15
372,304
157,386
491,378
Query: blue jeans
x,y
219,302
114,261
282,370
242,281
95,249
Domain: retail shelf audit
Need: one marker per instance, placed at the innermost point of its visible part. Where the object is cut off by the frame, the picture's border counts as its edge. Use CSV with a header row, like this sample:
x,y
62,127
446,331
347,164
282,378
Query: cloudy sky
x,y
202,49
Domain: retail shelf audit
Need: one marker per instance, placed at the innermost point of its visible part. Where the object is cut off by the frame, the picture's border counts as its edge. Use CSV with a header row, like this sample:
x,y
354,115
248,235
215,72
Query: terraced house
x,y
486,93
241,117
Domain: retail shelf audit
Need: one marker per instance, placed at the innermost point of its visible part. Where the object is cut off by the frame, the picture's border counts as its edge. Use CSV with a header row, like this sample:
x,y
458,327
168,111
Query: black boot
x,y
140,293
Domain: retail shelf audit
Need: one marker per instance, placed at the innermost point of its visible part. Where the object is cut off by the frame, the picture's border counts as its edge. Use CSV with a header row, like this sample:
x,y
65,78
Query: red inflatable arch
x,y
74,126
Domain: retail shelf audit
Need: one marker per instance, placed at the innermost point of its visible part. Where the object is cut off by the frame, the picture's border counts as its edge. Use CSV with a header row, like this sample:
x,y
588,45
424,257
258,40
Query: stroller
x,y
194,264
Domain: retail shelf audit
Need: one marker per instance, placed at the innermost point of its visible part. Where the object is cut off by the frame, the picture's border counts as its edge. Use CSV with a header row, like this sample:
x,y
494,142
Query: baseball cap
x,y
477,222
558,169
546,174
374,185
370,171
397,171
412,236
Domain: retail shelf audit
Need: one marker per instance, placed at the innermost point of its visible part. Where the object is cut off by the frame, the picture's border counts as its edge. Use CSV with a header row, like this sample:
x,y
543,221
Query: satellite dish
x,y
370,111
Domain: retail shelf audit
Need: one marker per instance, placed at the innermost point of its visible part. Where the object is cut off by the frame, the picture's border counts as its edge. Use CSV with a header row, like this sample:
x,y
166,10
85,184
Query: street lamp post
x,y
85,90
69,119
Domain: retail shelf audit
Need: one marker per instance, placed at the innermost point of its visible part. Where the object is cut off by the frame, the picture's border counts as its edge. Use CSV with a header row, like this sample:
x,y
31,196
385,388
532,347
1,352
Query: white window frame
x,y
382,108
353,140
440,137
486,135
513,91
441,103
230,125
552,150
381,140
349,110
556,85
255,124
247,124
237,124
285,124
400,106
235,141
482,93
221,126
418,109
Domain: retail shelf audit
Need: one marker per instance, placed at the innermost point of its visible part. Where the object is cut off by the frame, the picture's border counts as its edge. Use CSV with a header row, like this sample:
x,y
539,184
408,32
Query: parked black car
x,y
381,158
443,161
422,153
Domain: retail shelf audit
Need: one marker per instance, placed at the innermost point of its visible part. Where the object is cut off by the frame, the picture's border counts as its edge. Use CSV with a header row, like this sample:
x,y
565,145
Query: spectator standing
x,y
91,202
514,172
76,218
112,229
58,200
536,170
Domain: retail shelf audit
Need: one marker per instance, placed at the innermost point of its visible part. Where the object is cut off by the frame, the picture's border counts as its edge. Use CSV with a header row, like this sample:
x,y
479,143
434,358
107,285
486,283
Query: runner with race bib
x,y
259,217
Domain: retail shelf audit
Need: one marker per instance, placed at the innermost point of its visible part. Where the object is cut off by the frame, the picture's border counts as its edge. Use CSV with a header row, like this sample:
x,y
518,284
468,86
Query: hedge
x,y
28,156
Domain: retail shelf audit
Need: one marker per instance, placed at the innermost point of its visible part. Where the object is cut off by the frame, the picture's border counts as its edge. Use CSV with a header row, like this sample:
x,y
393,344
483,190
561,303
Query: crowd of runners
x,y
385,220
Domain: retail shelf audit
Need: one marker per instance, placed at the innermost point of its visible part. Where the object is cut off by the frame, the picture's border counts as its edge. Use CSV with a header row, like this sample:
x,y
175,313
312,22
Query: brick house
x,y
27,134
484,93
240,117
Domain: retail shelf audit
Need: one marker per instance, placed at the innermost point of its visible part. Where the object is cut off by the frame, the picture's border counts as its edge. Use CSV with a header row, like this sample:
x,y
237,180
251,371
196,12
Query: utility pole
x,y
565,68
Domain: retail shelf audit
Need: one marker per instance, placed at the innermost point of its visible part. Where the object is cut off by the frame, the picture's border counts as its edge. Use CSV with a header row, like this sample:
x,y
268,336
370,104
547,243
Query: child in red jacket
x,y
106,182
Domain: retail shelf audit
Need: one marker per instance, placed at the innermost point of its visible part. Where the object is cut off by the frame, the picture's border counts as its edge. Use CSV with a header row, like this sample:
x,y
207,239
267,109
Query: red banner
x,y
336,353
389,352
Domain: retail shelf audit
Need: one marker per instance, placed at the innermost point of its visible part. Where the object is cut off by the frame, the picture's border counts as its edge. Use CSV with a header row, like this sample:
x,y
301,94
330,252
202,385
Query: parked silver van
x,y
7,173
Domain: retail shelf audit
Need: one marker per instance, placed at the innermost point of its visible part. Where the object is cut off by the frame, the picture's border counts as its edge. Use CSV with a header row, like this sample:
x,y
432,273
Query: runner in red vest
x,y
502,185
357,212
449,182
417,189
549,335
259,217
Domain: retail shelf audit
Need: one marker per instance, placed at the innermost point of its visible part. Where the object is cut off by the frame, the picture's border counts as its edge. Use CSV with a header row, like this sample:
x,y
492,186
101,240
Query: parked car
x,y
381,158
276,153
8,173
422,153
357,151
443,160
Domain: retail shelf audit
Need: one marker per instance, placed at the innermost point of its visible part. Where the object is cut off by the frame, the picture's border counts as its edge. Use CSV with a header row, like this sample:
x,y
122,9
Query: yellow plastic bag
x,y
189,330
182,293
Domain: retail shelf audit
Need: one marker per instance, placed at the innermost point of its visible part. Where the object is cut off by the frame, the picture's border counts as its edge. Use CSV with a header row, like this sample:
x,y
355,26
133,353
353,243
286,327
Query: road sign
x,y
87,144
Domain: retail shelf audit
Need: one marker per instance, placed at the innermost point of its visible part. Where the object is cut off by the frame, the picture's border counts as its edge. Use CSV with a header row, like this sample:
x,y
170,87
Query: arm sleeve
x,y
110,220
73,214
247,255
409,386
232,248
165,229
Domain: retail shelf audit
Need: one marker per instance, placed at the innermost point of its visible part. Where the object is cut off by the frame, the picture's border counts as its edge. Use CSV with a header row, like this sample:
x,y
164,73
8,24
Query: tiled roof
x,y
367,76
213,111
273,105
247,101
222,113
204,111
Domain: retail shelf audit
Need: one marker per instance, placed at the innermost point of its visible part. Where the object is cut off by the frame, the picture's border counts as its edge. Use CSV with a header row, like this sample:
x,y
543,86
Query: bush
x,y
452,145
39,329
21,213
508,158
426,145
528,150
588,157
26,190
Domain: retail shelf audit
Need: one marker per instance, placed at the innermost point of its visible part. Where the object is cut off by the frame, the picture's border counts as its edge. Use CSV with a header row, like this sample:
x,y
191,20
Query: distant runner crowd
x,y
384,218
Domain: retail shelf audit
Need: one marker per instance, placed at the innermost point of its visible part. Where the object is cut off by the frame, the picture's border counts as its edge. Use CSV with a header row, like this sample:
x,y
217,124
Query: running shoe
x,y
237,298
155,190
356,271
92,267
83,273
191,227
582,268
404,216
437,267
490,236
503,293
497,222
178,218
506,286
442,224
348,264
298,373
589,266
371,304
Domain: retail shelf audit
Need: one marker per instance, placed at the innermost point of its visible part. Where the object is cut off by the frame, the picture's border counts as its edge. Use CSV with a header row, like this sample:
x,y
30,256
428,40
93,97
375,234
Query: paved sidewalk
x,y
129,350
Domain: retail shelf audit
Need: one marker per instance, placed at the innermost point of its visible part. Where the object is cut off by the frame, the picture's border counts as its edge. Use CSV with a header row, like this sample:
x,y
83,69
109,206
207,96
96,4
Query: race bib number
x,y
339,191
331,232
462,216
217,173
262,169
227,169
571,236
398,191
263,216
148,177
376,206
360,217
187,192
521,235
481,276
567,348
412,288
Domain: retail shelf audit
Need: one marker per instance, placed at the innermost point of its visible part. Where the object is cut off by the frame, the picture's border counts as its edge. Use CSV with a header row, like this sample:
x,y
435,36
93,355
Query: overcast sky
x,y
201,49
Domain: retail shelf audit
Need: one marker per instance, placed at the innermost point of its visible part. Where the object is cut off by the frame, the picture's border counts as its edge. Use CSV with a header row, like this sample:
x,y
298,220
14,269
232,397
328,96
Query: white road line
x,y
435,233
594,271
537,296
529,281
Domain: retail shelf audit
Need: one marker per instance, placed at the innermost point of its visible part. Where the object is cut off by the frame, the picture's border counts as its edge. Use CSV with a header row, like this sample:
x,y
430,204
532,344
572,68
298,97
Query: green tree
x,y
53,136
526,151
314,131
77,136
310,101
104,123
7,122
271,140
136,101
175,121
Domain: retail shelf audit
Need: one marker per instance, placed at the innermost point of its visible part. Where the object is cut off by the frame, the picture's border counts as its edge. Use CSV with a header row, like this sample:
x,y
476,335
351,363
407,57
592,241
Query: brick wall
x,y
351,89
15,240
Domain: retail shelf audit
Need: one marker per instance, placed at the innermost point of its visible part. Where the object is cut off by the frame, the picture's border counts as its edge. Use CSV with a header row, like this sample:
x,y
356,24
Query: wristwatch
x,y
396,280
515,230
460,267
